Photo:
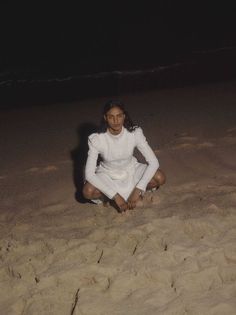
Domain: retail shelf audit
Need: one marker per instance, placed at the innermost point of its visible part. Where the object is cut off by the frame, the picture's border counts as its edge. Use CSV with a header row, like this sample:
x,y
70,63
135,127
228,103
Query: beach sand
x,y
173,255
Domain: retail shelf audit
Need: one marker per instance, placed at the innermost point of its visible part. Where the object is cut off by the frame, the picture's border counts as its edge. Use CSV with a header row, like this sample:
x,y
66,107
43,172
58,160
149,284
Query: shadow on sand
x,y
79,156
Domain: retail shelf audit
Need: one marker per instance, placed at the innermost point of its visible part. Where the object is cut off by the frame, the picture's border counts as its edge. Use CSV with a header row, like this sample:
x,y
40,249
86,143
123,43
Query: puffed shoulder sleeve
x,y
150,157
94,142
93,152
139,136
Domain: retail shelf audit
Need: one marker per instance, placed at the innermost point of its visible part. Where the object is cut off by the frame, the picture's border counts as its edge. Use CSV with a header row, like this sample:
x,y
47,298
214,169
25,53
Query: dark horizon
x,y
43,45
55,37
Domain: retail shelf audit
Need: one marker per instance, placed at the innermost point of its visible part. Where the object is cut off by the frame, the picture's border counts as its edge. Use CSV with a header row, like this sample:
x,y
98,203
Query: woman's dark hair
x,y
128,123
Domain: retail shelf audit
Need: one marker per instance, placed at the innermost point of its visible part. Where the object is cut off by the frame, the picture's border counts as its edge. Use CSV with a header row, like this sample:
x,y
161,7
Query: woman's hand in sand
x,y
134,198
121,203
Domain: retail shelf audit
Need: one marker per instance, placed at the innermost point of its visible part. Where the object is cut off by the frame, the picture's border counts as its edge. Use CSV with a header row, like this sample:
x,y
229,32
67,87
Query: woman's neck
x,y
115,132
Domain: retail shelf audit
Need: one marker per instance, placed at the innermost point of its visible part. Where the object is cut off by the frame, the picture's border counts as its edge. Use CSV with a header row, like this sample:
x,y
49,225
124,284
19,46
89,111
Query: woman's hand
x,y
121,203
134,197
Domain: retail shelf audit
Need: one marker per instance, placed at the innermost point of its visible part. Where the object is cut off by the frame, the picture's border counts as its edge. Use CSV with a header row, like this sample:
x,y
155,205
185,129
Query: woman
x,y
119,176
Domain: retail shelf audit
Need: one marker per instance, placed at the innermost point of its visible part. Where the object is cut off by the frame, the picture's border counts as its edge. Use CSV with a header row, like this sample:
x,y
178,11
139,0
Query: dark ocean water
x,y
21,87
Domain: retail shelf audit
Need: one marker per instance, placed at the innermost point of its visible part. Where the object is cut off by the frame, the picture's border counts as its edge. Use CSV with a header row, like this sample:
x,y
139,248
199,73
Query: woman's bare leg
x,y
91,192
158,179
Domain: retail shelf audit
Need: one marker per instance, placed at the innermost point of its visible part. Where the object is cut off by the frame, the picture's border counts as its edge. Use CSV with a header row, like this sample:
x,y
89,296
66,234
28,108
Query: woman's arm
x,y
150,157
153,164
91,165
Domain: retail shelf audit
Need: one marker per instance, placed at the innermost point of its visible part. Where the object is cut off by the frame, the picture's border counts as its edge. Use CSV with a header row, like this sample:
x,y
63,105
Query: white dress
x,y
119,172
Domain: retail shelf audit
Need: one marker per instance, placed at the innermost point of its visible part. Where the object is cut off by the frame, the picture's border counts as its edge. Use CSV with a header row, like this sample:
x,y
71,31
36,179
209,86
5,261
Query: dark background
x,y
43,45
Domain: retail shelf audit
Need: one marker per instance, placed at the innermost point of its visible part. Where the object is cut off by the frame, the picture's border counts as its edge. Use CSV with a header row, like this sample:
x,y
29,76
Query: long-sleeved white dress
x,y
119,171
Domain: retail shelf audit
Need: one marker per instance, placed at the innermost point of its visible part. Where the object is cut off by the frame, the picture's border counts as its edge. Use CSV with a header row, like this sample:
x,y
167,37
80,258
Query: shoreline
x,y
203,69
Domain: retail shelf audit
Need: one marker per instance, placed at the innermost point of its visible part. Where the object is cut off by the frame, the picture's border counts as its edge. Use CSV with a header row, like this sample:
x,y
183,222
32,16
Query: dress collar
x,y
116,136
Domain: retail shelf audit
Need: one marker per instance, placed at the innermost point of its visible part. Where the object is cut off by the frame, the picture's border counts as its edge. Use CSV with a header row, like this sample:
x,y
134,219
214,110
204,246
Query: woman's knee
x,y
87,191
90,192
160,177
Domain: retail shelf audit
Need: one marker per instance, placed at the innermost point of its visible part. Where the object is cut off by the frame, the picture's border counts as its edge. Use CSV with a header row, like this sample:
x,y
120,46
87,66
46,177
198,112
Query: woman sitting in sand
x,y
119,176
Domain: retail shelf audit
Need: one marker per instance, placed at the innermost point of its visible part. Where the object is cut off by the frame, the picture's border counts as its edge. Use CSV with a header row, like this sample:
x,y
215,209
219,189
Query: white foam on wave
x,y
12,78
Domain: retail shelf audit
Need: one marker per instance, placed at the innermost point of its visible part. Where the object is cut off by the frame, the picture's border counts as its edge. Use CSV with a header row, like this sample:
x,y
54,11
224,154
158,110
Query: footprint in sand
x,y
187,139
196,230
199,282
32,170
54,208
192,143
184,141
213,208
150,198
205,145
230,250
231,131
65,162
47,169
228,274
230,137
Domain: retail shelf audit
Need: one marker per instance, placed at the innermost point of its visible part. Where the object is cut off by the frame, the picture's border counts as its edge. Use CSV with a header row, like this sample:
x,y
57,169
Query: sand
x,y
174,255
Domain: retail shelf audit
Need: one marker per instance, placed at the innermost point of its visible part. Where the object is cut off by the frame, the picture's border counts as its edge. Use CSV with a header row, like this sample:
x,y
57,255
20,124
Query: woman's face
x,y
115,120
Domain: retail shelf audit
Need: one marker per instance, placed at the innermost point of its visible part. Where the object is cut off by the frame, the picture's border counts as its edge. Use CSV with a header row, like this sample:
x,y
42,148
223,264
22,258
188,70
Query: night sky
x,y
72,39
65,34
